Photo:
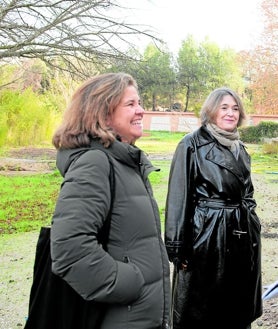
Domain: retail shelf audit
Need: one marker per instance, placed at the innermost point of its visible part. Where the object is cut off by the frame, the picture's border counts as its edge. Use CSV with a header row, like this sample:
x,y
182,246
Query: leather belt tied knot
x,y
217,203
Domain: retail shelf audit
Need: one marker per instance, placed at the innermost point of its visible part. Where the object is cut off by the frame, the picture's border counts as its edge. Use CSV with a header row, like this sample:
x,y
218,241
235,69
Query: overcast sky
x,y
234,23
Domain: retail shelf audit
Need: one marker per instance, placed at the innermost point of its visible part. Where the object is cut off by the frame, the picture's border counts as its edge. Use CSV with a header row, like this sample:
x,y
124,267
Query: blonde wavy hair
x,y
86,116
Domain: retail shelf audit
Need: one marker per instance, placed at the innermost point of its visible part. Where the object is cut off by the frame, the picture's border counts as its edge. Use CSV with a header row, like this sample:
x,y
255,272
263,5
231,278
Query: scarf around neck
x,y
226,138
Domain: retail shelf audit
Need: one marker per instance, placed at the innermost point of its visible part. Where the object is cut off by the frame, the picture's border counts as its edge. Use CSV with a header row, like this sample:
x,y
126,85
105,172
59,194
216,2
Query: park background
x,y
48,48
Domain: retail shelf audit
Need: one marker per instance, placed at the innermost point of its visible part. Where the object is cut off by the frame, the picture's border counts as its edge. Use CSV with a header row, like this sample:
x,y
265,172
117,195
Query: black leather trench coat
x,y
211,223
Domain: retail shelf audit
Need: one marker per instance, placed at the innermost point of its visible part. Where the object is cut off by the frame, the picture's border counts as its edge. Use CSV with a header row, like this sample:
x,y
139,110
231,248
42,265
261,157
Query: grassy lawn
x,y
159,142
27,202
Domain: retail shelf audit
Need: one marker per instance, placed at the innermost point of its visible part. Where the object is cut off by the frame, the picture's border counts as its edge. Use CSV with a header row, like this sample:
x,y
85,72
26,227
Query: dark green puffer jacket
x,y
133,276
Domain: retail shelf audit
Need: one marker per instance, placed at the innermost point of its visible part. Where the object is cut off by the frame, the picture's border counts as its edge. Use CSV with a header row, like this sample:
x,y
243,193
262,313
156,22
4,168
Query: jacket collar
x,y
203,137
132,156
219,154
128,154
124,153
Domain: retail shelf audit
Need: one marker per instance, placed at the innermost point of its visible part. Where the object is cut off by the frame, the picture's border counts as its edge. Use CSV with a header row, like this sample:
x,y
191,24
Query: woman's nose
x,y
139,109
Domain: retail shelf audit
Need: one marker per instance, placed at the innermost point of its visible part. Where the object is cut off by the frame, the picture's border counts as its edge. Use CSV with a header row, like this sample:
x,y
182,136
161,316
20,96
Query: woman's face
x,y
227,115
127,118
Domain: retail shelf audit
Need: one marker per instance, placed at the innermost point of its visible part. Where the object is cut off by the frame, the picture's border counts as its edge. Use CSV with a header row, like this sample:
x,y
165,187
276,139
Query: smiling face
x,y
127,118
227,115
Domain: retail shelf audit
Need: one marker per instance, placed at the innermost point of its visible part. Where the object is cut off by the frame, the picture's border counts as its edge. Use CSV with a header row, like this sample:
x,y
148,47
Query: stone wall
x,y
186,122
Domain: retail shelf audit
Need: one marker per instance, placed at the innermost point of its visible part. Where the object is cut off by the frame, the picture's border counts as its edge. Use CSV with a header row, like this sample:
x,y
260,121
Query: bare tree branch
x,y
78,31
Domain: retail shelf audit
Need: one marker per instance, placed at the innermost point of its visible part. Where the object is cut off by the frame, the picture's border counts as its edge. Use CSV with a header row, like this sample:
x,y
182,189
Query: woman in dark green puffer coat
x,y
132,277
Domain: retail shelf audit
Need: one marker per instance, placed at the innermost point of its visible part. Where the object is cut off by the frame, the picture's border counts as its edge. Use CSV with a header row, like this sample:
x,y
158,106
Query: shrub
x,y
24,118
256,134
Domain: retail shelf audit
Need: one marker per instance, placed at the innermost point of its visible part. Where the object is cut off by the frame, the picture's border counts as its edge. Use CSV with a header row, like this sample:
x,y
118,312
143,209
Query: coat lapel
x,y
219,154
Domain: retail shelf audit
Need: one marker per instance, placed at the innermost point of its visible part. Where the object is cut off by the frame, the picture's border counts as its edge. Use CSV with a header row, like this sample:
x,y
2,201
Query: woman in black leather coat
x,y
212,232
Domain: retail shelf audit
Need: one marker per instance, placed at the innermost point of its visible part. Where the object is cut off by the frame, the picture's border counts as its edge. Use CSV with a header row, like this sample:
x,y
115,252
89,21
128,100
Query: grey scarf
x,y
226,138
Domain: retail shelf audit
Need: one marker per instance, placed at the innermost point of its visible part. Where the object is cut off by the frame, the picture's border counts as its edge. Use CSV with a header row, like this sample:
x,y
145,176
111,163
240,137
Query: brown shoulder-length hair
x,y
213,101
87,113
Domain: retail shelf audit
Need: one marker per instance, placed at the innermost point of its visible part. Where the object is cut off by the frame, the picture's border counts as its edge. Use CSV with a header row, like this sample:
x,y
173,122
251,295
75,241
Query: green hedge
x,y
255,134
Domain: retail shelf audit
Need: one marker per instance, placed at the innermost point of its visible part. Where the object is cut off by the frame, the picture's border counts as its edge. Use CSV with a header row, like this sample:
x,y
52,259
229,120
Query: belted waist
x,y
217,203
228,204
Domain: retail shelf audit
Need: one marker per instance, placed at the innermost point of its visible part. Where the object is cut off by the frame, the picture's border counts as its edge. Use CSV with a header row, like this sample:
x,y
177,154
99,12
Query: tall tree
x,y
203,67
71,35
265,59
154,74
188,68
157,78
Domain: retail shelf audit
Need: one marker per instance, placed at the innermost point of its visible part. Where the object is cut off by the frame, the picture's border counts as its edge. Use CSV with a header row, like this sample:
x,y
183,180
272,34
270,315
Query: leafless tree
x,y
69,35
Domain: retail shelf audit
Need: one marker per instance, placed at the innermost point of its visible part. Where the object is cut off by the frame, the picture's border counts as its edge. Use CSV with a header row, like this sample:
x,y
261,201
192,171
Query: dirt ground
x,y
28,160
17,251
